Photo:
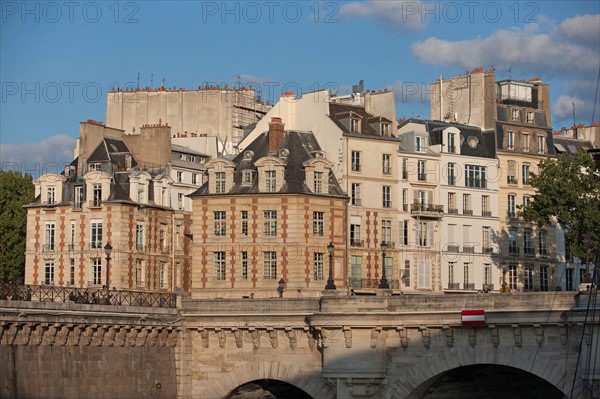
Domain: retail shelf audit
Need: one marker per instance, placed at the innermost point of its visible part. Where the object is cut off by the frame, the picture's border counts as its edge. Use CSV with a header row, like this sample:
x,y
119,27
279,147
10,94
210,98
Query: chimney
x,y
275,134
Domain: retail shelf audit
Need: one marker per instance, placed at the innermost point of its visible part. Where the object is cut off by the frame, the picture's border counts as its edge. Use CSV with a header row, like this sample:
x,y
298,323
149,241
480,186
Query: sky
x,y
59,58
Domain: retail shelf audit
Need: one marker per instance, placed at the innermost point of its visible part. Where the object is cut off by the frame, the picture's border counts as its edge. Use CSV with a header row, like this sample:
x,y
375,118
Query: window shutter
x,y
430,234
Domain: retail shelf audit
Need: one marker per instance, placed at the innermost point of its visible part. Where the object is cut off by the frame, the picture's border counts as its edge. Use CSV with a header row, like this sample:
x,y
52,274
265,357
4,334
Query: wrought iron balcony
x,y
454,286
453,248
529,251
468,249
422,177
511,180
486,214
468,212
165,250
453,211
427,210
389,244
469,286
357,243
48,247
512,250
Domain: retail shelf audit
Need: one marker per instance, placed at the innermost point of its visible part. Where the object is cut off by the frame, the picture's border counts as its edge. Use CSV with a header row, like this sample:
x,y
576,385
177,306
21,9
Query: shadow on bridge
x,y
267,389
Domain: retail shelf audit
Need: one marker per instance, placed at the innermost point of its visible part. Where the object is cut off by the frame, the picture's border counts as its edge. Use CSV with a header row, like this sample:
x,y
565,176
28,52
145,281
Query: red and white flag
x,y
473,318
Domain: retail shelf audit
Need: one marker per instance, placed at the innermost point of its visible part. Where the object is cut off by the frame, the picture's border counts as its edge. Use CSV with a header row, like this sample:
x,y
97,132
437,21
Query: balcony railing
x,y
427,209
513,250
529,251
454,286
452,180
468,212
372,283
511,180
404,175
453,248
70,247
544,251
422,177
486,214
356,201
452,149
140,247
357,243
48,248
405,207
469,286
99,296
511,214
77,206
389,244
468,249
487,250
387,170
453,211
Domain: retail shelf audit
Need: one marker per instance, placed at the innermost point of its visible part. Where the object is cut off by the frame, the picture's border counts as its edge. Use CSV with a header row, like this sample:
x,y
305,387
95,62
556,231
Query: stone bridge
x,y
408,346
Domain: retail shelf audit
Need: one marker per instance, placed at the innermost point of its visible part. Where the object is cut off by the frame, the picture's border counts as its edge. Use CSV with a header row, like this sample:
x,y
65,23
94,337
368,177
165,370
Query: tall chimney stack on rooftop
x,y
275,133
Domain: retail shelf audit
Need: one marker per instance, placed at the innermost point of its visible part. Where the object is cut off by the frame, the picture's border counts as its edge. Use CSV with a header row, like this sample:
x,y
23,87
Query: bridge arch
x,y
312,383
429,367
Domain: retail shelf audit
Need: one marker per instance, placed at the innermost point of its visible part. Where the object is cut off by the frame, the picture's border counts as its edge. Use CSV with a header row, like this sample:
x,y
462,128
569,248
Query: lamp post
x,y
107,250
504,270
330,284
280,287
383,283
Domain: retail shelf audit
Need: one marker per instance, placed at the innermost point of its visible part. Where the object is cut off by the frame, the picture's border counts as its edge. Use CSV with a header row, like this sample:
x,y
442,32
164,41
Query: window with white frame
x,y
96,271
475,176
452,203
528,277
512,240
404,226
356,164
72,271
544,278
270,265
512,205
485,206
318,182
405,199
162,275
452,142
451,169
424,236
487,274
139,237
355,234
529,116
355,125
220,223
424,274
139,272
450,274
467,204
179,176
50,195
510,140
422,170
466,271
49,272
356,270
244,260
420,143
525,173
78,200
96,235
270,223
515,115
220,182
180,201
244,223
404,169
97,194
540,144
384,129
526,201
318,223
219,259
387,164
355,194
526,142
386,231
247,177
194,178
387,196
318,265
543,242
486,238
49,235
270,180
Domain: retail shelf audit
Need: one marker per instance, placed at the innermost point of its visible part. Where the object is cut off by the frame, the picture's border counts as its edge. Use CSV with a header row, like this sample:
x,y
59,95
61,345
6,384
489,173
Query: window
x,y
386,231
526,201
485,206
486,239
487,275
404,169
525,173
451,142
569,279
540,144
528,278
406,275
355,125
387,164
387,263
246,177
568,254
384,129
244,231
162,275
404,232
318,265
424,275
96,234
356,264
139,272
244,259
529,116
220,182
512,241
475,176
49,272
510,140
194,178
512,276
318,218
78,197
515,115
96,271
270,265
355,234
511,175
139,237
525,142
452,203
387,196
219,259
424,236
271,181
50,195
512,206
544,278
179,176
220,223
422,170
180,201
466,279
543,242
72,271
162,237
528,242
270,223
420,144
356,194
356,161
451,174
467,204
97,194
450,274
405,199
49,237
192,158
318,182
467,244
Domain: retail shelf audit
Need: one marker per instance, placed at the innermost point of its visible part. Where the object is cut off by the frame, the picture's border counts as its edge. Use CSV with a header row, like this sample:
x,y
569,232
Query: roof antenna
x,y
138,81
573,102
151,79
509,73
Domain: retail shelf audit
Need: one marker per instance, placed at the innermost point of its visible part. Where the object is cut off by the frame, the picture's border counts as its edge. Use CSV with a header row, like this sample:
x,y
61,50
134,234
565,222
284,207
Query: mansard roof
x,y
339,111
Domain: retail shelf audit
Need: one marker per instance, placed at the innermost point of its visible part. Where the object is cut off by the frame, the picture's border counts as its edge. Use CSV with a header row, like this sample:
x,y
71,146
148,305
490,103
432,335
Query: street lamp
x,y
107,250
330,284
280,287
383,284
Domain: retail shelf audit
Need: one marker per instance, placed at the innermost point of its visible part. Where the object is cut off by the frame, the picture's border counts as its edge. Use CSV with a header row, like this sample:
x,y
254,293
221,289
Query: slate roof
x,y
339,111
302,146
187,150
563,144
113,151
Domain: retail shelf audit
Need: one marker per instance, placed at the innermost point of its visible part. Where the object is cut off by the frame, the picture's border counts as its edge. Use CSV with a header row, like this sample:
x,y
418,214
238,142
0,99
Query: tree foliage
x,y
568,192
16,190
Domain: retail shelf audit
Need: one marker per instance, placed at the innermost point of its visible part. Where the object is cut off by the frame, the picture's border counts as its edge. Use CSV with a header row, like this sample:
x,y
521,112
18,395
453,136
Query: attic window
x,y
355,125
94,166
246,177
192,158
182,157
283,153
248,154
384,129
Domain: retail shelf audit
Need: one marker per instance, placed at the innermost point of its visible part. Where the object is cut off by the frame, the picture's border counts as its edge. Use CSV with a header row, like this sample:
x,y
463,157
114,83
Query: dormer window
x,y
452,142
192,158
220,182
246,177
355,125
420,144
318,182
50,195
384,129
529,116
271,181
515,115
182,157
94,166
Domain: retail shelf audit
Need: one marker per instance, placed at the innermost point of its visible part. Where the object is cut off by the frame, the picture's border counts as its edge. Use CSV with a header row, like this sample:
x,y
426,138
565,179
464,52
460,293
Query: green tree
x,y
568,192
16,190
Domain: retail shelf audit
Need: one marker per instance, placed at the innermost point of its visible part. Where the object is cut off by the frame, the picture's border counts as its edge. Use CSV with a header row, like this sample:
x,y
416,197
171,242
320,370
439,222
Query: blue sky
x,y
58,59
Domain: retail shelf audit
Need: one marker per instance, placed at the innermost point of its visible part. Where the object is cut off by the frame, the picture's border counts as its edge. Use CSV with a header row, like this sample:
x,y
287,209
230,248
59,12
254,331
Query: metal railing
x,y
453,286
357,243
419,207
95,296
372,283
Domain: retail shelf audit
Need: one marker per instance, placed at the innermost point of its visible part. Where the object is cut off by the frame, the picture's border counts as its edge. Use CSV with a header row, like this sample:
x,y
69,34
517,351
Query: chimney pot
x,y
276,129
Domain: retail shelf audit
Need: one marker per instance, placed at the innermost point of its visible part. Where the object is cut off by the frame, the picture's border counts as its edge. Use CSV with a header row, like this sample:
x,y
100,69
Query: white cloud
x,y
406,15
47,156
570,48
562,110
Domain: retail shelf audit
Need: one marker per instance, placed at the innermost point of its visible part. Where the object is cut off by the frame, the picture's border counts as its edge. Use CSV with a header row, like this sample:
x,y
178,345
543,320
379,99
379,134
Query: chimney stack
x,y
275,134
